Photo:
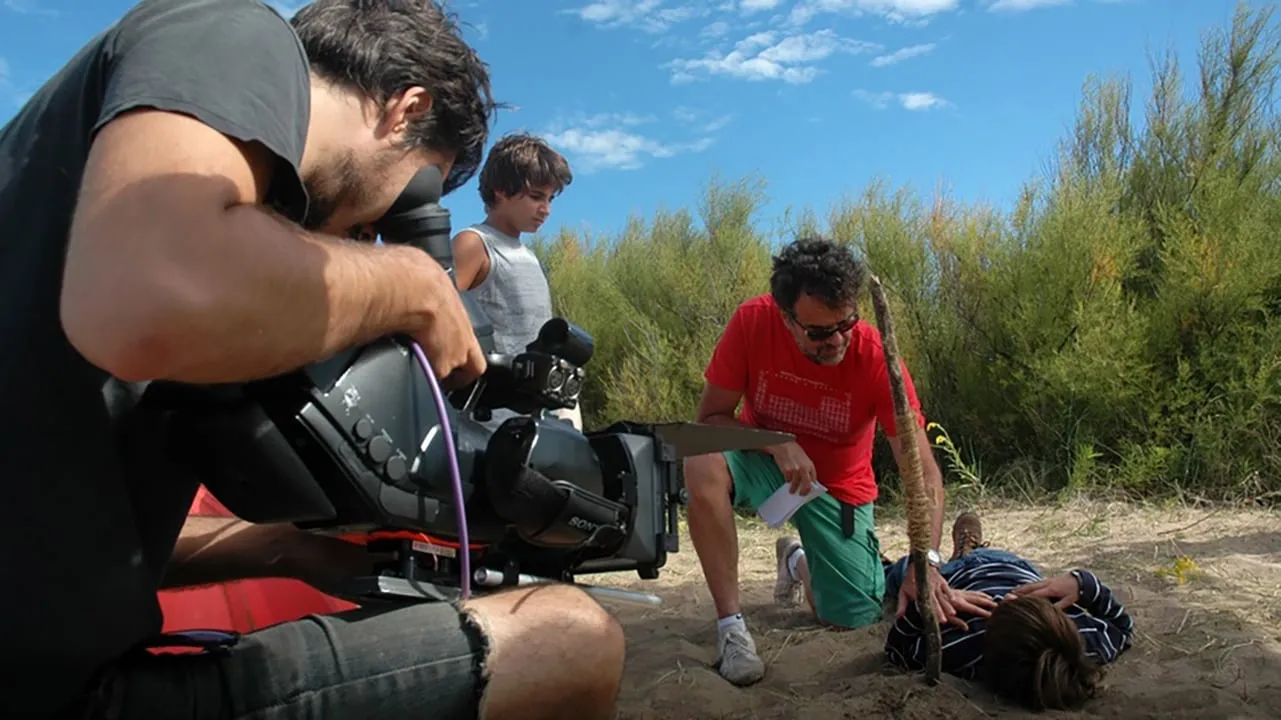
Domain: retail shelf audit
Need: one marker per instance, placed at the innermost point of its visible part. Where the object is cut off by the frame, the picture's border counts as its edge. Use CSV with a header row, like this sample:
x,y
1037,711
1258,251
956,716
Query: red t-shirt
x,y
830,409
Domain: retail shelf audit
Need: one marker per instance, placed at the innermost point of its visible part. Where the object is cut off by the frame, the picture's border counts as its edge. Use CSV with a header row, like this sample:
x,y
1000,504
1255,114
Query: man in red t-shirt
x,y
802,362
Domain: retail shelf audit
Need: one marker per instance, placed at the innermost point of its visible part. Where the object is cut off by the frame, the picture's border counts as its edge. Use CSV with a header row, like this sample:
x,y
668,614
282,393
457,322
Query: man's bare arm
x,y
175,271
214,550
717,406
211,550
933,480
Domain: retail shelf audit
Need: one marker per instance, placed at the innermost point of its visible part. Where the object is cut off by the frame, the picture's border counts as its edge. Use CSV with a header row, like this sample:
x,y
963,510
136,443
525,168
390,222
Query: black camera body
x,y
360,445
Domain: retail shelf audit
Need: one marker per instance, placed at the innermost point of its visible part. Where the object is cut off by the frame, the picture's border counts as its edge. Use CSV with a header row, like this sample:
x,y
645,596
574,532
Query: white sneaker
x,y
737,659
787,592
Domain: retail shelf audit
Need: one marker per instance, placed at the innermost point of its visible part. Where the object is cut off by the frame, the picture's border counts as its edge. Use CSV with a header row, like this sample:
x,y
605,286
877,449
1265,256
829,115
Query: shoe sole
x,y
785,588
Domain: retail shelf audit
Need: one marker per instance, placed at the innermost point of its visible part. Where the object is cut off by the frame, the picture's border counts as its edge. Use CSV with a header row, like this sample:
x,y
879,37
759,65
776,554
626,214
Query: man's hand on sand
x,y
948,604
796,466
447,337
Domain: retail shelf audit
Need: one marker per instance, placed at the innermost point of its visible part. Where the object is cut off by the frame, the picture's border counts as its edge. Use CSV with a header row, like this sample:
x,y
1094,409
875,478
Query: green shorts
x,y
846,575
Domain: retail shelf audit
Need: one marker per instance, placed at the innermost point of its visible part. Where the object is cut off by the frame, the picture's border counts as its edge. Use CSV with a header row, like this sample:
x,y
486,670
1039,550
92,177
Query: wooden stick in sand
x,y
918,501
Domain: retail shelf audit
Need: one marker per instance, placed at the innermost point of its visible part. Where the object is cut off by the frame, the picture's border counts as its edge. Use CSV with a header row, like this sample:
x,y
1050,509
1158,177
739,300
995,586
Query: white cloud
x,y
767,56
717,29
752,6
616,149
30,7
717,123
879,101
703,122
921,101
648,15
616,141
914,101
606,119
617,11
8,90
894,10
1021,5
902,54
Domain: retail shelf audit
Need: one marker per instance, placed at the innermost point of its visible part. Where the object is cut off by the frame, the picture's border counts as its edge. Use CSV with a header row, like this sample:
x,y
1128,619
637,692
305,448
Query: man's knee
x,y
547,646
566,613
591,624
707,477
849,607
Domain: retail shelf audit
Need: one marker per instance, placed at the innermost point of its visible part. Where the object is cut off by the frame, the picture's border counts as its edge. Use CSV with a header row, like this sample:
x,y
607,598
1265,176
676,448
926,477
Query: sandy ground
x,y
1208,643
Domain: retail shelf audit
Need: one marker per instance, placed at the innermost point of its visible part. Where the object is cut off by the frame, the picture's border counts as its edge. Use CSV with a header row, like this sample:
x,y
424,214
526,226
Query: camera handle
x,y
477,389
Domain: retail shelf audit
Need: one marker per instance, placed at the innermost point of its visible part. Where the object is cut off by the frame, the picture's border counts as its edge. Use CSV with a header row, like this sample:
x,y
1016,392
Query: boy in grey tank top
x,y
521,177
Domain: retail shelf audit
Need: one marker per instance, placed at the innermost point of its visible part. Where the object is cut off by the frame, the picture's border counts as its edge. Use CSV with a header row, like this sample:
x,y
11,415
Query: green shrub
x,y
1118,326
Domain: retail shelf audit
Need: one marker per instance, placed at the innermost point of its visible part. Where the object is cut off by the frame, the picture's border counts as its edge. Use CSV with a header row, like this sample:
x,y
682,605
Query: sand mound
x,y
1208,643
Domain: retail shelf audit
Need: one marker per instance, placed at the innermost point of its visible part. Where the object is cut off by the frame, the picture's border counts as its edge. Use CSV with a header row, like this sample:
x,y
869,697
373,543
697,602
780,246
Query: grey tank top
x,y
514,294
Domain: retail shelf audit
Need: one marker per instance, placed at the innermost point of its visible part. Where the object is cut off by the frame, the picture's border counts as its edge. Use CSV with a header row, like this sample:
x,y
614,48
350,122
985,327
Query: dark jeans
x,y
414,661
895,572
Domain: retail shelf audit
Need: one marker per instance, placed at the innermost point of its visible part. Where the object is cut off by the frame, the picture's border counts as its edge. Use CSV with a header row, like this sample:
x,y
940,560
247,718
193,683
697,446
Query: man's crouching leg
x,y
553,652
711,480
844,577
530,653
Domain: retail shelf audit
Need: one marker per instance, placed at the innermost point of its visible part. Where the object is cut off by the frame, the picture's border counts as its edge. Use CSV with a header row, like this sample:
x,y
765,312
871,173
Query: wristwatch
x,y
935,557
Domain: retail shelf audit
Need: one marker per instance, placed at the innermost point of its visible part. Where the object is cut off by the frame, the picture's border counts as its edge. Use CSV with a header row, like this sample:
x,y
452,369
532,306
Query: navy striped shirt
x,y
1105,626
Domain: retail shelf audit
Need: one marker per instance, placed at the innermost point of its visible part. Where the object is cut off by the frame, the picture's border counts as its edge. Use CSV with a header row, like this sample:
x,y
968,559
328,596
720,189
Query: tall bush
x,y
1118,326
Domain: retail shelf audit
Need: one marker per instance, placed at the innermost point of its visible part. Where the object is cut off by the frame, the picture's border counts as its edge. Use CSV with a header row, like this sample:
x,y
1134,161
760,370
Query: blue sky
x,y
651,99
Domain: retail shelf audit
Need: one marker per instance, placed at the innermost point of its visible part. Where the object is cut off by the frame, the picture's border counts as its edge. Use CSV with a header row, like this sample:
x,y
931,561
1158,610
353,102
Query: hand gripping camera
x,y
366,445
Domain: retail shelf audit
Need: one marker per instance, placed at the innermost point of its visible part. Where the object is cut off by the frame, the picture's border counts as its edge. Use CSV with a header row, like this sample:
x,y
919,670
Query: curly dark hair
x,y
520,161
816,266
382,47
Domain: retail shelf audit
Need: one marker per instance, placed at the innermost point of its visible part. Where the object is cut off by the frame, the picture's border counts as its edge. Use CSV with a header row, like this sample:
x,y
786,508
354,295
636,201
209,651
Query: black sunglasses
x,y
819,333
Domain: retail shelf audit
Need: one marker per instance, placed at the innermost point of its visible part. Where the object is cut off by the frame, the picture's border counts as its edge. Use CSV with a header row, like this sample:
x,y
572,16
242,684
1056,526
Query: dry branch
x,y
918,501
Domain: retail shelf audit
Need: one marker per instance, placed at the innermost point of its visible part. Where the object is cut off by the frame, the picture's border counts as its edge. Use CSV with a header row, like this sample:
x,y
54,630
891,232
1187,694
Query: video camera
x,y
366,445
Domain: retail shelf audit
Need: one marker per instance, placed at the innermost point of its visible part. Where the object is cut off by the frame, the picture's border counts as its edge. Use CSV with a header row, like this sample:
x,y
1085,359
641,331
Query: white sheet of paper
x,y
782,505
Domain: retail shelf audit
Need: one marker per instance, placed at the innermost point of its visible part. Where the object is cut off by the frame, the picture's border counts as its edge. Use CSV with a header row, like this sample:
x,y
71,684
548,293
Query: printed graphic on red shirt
x,y
832,410
793,404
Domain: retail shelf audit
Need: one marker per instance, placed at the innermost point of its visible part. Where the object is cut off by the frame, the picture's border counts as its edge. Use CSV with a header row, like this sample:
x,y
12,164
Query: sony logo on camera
x,y
586,526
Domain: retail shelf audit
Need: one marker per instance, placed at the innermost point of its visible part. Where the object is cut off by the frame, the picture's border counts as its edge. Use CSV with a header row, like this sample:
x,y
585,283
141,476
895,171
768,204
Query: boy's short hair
x,y
1035,655
519,161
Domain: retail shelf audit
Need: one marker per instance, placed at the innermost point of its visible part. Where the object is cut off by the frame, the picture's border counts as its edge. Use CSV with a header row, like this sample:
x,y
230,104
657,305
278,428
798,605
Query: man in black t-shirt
x,y
171,202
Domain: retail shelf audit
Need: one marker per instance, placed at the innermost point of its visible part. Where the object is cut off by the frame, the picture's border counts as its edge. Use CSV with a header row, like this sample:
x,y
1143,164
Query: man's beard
x,y
837,354
338,185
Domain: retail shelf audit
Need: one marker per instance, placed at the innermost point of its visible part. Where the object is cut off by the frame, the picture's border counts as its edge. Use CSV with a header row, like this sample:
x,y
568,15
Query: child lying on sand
x,y
1044,644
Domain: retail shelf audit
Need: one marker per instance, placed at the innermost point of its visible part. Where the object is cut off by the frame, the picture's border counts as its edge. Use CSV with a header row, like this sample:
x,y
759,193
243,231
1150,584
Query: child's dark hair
x,y
1034,655
519,161
815,266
